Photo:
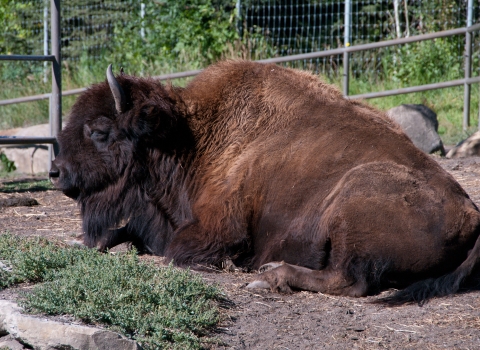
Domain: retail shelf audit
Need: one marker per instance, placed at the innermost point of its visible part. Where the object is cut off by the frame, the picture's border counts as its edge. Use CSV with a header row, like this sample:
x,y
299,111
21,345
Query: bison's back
x,y
275,143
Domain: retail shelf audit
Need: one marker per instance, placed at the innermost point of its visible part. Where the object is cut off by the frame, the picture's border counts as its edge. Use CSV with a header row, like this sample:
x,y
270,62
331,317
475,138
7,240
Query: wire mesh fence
x,y
137,33
294,27
269,28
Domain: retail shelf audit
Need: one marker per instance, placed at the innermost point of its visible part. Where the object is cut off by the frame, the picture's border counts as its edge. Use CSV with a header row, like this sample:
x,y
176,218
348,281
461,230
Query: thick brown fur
x,y
258,163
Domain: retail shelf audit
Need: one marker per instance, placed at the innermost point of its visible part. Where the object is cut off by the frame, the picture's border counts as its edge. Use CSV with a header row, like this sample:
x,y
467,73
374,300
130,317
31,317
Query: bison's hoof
x,y
276,278
270,266
258,284
75,243
228,265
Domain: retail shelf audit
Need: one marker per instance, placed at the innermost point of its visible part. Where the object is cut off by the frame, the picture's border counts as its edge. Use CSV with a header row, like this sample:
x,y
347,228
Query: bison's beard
x,y
117,215
153,204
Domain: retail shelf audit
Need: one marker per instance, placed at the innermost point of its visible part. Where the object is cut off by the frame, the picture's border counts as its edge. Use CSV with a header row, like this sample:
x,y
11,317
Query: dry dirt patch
x,y
265,320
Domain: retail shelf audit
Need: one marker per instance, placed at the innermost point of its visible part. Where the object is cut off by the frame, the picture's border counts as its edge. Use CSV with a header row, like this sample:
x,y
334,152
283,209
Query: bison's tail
x,y
420,292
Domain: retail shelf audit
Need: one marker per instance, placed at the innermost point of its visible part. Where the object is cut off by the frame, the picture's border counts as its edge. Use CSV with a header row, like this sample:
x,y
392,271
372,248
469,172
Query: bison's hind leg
x,y
285,278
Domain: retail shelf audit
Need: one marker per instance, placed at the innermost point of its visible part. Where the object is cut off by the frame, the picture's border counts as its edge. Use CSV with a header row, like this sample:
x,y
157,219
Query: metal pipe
x,y
56,99
142,16
26,58
317,54
39,97
364,47
238,7
419,88
25,99
45,39
346,39
468,68
26,140
186,74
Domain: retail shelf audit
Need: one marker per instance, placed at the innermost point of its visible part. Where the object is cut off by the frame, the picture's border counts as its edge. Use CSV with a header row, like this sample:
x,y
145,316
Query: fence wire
x,y
294,27
271,27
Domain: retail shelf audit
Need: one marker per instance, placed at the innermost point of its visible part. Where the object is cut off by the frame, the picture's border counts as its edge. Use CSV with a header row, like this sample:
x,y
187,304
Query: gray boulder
x,y
29,159
420,124
9,342
467,148
41,333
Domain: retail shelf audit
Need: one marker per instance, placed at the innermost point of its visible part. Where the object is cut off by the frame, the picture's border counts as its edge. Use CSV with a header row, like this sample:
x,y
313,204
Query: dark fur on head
x,y
123,159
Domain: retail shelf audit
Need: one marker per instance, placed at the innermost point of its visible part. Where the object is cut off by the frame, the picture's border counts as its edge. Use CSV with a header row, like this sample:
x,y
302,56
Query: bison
x,y
272,169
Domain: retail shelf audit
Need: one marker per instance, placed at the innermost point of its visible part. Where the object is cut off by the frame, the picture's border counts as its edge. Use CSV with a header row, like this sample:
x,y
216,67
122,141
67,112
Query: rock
x,y
9,342
467,148
40,333
18,202
5,268
29,159
420,124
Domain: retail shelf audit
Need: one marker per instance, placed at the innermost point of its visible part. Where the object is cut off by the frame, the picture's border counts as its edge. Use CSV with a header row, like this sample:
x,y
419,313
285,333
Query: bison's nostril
x,y
54,173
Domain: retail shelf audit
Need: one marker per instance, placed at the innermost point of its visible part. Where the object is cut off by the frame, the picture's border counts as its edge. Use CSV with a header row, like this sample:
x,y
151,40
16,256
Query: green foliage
x,y
159,307
7,164
28,260
177,33
25,185
447,103
189,34
15,35
425,62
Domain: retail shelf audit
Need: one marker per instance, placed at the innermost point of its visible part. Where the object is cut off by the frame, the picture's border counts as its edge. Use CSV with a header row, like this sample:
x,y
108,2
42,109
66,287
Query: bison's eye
x,y
99,135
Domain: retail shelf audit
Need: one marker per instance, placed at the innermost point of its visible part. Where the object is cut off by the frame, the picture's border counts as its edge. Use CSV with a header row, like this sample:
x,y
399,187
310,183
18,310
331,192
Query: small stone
x,y
18,202
8,342
467,148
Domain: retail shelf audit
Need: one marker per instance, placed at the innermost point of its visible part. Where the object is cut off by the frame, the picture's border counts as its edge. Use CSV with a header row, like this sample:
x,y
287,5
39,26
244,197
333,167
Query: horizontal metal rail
x,y
186,74
50,58
312,55
364,47
13,140
419,88
305,56
39,97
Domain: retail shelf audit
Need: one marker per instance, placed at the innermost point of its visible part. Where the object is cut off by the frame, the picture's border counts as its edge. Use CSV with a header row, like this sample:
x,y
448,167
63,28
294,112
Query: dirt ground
x,y
263,320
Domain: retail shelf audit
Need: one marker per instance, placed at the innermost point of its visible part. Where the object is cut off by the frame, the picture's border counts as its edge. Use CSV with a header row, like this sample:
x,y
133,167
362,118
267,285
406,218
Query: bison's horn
x,y
117,91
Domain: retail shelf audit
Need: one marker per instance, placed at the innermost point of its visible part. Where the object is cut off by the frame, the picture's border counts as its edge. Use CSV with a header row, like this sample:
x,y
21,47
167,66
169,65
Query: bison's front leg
x,y
285,277
113,238
193,244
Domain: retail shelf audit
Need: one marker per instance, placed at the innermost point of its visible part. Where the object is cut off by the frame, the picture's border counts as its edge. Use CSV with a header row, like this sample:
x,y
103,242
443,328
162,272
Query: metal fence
x,y
295,27
56,94
321,36
289,27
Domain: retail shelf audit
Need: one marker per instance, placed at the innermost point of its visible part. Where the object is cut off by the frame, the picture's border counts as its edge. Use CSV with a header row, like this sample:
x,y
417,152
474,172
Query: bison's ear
x,y
117,91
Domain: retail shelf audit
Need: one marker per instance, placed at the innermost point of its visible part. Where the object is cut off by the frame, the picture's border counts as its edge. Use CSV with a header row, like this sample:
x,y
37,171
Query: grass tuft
x,y
159,307
17,185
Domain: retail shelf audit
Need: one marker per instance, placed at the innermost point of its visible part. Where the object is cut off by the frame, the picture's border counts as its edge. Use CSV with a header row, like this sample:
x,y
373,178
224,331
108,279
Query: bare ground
x,y
263,320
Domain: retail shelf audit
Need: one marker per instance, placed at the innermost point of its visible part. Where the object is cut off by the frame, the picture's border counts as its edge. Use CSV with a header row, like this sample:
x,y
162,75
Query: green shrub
x,y
7,165
159,307
425,62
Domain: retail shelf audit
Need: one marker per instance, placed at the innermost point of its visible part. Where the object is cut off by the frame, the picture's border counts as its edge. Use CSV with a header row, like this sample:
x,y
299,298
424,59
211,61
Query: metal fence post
x,y
468,67
346,55
239,19
56,100
45,39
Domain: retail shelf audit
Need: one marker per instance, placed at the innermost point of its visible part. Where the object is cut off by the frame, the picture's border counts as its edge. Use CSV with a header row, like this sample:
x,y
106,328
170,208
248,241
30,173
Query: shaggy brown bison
x,y
260,164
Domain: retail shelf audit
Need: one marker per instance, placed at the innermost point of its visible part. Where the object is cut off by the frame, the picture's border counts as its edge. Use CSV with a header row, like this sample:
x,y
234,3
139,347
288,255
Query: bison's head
x,y
112,129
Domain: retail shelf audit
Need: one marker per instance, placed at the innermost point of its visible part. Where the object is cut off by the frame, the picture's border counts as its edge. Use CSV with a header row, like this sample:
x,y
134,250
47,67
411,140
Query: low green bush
x,y
6,165
160,307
